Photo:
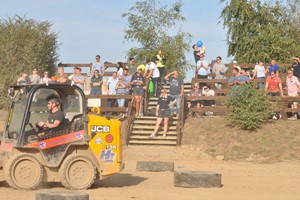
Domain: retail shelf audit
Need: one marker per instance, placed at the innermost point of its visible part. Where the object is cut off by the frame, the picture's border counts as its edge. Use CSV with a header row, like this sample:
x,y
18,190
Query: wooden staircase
x,y
143,126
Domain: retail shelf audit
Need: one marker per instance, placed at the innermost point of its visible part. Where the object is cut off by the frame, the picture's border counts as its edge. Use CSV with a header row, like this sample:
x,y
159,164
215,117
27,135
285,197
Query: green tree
x,y
25,44
150,25
258,31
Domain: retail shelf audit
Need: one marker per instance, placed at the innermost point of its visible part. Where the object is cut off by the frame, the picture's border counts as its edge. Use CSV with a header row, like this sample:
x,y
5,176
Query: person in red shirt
x,y
274,85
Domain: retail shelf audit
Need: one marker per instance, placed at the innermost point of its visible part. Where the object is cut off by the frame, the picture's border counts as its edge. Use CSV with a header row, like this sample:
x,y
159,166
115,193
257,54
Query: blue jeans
x,y
260,85
178,100
95,92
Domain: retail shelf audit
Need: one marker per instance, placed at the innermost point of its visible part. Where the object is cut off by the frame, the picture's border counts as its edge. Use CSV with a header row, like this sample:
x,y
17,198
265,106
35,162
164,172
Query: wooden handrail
x,y
130,117
181,120
146,96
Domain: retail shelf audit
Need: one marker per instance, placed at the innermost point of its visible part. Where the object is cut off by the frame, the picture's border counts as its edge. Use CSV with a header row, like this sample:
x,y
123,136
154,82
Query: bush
x,y
250,107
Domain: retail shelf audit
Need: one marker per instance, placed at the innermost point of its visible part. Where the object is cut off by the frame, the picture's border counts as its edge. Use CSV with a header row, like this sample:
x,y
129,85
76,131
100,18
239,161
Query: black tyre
x,y
23,171
77,172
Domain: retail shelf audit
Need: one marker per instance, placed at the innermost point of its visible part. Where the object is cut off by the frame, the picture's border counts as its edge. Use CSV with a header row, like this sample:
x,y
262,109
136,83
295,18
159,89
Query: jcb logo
x,y
104,129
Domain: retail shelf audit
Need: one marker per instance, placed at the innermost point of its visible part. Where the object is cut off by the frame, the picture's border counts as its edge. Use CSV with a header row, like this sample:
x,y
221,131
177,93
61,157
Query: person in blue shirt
x,y
273,67
237,79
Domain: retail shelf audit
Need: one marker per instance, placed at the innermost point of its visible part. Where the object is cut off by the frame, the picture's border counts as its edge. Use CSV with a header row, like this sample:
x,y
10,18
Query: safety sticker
x,y
98,140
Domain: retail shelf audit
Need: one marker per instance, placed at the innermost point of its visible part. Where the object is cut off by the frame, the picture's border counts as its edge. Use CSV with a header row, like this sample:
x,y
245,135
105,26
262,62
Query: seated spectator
x,y
121,90
78,78
207,91
237,79
195,92
274,85
34,77
137,83
96,83
46,78
293,89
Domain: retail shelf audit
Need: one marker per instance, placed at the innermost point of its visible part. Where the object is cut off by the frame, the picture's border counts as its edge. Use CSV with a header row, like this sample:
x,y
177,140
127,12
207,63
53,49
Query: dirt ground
x,y
241,180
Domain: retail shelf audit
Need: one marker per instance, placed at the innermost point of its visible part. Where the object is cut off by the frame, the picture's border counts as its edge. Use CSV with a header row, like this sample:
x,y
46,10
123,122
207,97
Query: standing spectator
x,y
132,68
296,67
78,78
137,82
196,53
274,85
98,65
219,70
127,79
23,79
163,112
120,69
112,82
273,67
202,67
121,90
34,77
46,78
61,77
153,72
260,73
96,83
176,88
71,76
293,89
160,64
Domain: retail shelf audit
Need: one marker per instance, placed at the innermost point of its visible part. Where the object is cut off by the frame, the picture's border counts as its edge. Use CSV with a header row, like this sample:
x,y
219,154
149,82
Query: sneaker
x,y
293,118
152,136
274,117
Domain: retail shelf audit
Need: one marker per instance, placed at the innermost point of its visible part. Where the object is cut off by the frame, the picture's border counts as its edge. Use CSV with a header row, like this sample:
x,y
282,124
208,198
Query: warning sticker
x,y
98,140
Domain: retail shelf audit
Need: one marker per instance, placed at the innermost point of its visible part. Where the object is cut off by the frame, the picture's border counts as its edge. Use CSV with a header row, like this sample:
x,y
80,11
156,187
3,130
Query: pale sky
x,y
89,27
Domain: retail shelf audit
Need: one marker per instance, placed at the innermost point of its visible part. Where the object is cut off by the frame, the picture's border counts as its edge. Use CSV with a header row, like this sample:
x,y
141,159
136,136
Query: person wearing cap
x,y
296,67
56,116
34,77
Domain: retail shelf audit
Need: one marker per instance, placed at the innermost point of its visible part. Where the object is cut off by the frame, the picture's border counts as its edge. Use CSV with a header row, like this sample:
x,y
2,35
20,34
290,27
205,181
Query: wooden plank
x,y
151,127
152,142
147,132
153,122
146,137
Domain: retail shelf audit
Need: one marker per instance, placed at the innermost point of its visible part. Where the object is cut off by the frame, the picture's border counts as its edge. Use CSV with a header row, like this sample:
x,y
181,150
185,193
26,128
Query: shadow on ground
x,y
119,180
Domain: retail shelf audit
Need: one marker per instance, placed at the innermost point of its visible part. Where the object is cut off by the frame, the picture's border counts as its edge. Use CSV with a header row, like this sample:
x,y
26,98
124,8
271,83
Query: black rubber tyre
x,y
23,171
77,172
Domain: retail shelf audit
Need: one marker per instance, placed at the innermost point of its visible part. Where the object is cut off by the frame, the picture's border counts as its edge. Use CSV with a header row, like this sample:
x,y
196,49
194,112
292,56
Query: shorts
x,y
164,113
138,91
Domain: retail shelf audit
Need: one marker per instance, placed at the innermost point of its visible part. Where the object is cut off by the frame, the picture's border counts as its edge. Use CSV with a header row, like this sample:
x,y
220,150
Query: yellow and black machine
x,y
85,147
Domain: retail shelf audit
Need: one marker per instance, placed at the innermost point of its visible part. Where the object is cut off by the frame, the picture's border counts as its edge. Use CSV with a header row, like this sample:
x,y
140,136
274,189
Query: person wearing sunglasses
x,y
274,85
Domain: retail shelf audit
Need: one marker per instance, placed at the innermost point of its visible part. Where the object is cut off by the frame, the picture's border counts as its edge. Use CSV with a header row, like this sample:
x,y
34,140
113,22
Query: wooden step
x,y
146,132
151,127
158,137
152,122
152,142
153,118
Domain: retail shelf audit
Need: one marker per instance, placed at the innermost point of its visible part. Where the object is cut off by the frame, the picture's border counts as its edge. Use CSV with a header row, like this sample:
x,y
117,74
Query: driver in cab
x,y
56,116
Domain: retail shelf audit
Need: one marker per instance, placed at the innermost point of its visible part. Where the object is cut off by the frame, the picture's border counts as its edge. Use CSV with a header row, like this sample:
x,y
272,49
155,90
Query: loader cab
x,y
28,106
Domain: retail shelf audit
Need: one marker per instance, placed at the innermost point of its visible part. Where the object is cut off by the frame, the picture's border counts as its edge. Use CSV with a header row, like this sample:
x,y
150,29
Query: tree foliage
x,y
151,28
250,107
25,44
259,31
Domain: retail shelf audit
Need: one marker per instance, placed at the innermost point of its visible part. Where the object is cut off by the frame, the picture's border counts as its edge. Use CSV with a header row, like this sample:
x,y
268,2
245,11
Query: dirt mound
x,y
274,141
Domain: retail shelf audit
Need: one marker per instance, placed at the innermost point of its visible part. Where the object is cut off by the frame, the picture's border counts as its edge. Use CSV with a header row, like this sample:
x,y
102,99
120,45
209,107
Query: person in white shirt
x,y
153,72
260,73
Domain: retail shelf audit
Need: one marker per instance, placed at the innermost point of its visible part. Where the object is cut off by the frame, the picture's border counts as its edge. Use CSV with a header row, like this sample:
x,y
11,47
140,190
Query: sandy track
x,y
241,180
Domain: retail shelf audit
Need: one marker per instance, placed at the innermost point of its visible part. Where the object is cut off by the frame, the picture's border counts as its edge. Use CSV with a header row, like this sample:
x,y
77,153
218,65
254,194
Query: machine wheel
x,y
23,171
77,172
